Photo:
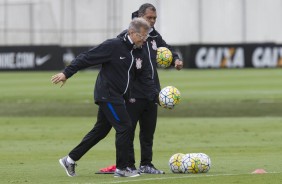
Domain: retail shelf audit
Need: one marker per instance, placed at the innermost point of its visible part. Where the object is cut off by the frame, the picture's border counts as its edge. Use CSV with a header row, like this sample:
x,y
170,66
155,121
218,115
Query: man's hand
x,y
157,100
59,77
178,64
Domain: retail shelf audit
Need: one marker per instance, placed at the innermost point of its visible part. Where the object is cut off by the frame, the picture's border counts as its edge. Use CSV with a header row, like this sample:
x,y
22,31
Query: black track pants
x,y
145,112
109,115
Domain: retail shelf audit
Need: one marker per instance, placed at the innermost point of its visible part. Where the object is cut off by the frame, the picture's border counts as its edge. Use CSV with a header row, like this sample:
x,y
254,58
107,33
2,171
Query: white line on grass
x,y
177,177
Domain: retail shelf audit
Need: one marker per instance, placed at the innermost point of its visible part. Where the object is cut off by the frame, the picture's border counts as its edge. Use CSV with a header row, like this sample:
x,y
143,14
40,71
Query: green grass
x,y
30,148
205,93
234,116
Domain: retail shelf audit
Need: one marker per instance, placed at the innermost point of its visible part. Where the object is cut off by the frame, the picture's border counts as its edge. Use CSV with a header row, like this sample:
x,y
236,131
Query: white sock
x,y
70,160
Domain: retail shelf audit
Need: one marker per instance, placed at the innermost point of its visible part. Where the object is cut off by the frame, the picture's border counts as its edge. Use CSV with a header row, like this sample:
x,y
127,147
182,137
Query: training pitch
x,y
234,116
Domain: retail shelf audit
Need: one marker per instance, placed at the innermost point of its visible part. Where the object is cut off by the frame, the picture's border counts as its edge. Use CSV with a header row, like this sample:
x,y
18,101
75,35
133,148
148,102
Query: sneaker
x,y
150,169
133,169
70,168
126,173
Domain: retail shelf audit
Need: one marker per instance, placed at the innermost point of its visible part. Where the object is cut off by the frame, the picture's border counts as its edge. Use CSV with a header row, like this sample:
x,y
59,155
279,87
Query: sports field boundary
x,y
130,180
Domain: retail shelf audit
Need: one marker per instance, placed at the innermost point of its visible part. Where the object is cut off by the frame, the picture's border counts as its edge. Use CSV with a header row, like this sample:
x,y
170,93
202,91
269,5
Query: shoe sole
x,y
141,173
63,165
127,176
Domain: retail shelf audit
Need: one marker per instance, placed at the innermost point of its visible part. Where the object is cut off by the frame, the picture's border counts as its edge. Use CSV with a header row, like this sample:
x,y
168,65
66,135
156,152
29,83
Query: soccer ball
x,y
190,164
205,162
169,97
175,162
164,57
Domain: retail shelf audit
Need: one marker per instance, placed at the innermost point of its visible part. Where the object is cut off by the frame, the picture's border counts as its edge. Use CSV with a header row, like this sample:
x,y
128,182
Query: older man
x,y
121,59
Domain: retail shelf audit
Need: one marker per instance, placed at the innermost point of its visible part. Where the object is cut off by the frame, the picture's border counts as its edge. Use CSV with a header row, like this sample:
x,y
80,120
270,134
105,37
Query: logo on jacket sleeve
x,y
154,45
138,63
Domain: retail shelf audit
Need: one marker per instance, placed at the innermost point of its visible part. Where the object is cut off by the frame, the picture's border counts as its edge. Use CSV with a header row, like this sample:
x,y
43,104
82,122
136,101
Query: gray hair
x,y
144,7
137,23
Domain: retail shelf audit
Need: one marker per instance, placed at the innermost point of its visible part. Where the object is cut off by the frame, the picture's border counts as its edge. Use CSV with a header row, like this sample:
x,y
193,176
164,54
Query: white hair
x,y
137,23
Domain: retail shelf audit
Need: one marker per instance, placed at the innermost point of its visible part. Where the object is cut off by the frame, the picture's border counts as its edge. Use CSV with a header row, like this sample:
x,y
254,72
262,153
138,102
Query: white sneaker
x,y
70,168
126,173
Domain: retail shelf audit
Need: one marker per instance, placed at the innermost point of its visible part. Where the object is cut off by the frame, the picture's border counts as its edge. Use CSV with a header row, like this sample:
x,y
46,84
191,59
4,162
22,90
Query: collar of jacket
x,y
127,42
153,32
134,14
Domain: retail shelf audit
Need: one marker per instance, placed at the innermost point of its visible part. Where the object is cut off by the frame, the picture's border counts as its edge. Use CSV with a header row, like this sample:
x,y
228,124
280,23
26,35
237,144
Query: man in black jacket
x,y
139,107
121,60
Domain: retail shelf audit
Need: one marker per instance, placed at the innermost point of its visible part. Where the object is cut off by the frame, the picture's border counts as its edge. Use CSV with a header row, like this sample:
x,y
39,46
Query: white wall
x,y
264,21
2,22
89,22
179,21
222,21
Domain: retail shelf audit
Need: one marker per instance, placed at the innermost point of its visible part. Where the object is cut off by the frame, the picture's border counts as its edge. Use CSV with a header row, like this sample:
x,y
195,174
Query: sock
x,y
70,160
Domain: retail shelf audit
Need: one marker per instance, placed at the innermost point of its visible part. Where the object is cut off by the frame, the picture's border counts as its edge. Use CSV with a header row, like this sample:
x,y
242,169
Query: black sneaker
x,y
126,173
149,169
70,168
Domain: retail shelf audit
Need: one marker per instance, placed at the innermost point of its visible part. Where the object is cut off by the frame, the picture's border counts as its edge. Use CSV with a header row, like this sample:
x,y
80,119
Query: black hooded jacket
x,y
154,41
120,65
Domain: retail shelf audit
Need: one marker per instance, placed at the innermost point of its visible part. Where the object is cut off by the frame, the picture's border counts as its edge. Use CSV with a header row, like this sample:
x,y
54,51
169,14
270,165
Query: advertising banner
x,y
234,56
202,56
69,53
31,58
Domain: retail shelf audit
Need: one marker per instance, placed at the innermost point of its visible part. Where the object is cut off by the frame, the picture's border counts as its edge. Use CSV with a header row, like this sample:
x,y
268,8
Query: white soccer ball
x,y
190,164
169,97
175,162
205,162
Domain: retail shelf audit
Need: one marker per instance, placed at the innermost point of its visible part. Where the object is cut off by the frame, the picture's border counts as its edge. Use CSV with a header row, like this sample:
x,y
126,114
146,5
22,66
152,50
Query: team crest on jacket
x,y
138,63
154,45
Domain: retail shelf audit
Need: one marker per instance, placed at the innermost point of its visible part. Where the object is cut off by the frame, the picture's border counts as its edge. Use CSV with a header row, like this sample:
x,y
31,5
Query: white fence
x,y
181,22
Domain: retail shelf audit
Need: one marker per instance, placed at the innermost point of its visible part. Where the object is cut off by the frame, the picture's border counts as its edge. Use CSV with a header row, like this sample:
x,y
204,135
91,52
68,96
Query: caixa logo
x,y
220,57
267,57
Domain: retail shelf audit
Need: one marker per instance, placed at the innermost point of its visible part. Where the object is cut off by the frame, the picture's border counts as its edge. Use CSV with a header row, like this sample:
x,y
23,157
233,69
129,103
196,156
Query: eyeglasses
x,y
142,37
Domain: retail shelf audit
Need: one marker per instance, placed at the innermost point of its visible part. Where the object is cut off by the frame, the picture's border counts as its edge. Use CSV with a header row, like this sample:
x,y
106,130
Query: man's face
x,y
139,38
150,16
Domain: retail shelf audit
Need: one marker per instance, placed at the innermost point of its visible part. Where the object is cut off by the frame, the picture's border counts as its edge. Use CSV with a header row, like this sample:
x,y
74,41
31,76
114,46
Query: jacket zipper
x,y
128,75
150,60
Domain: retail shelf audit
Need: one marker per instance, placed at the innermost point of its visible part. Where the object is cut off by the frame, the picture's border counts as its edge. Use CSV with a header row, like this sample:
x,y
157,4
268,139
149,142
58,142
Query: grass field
x,y
205,93
234,116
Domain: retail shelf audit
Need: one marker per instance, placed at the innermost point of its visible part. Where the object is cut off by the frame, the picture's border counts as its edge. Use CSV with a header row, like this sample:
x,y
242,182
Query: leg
x,y
147,123
118,117
100,130
135,110
147,129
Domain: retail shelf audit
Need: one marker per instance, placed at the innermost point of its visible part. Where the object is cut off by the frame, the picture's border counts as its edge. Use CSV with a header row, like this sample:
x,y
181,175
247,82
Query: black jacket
x,y
118,59
154,41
